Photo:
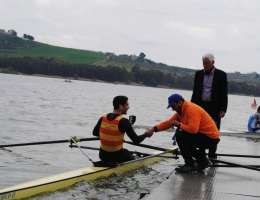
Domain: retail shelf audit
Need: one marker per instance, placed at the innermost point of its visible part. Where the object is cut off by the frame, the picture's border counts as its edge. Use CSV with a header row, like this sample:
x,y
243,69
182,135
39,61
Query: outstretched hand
x,y
149,134
150,131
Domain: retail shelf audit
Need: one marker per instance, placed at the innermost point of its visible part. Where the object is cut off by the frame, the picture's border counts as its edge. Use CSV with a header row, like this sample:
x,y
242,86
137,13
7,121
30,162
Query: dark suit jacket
x,y
219,92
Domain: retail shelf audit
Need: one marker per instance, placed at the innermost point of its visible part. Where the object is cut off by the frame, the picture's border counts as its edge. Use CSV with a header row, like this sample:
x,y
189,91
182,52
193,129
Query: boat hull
x,y
66,179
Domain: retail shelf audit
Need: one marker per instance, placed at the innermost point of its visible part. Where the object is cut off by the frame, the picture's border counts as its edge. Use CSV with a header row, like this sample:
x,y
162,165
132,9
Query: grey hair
x,y
210,56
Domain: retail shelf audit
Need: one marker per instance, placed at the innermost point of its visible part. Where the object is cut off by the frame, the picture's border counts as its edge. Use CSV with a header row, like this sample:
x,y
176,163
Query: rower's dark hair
x,y
119,100
258,108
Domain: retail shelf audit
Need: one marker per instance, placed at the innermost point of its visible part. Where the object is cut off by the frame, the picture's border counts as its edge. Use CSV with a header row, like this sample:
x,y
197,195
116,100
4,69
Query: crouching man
x,y
195,129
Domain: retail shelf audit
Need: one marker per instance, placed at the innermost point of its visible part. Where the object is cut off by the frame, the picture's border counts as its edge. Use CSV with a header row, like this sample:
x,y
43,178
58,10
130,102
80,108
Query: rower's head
x,y
121,104
175,101
258,109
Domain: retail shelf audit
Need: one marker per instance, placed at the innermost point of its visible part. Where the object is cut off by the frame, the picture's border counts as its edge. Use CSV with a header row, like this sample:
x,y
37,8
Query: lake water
x,y
41,109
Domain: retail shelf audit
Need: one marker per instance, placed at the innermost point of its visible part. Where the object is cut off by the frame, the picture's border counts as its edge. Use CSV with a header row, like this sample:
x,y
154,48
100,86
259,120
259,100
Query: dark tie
x,y
207,73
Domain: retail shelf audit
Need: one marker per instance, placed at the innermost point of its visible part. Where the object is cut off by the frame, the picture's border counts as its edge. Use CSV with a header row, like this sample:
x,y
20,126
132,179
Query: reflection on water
x,y
41,109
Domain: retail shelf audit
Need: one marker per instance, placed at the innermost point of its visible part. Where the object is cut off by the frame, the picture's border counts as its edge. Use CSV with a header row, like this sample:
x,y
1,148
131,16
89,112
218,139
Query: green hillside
x,y
17,47
146,64
14,46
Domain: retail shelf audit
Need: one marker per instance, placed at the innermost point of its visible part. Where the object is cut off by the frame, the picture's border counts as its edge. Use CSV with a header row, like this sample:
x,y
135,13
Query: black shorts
x,y
122,155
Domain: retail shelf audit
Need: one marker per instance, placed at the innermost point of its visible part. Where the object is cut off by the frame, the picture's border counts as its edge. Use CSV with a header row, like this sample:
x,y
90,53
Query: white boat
x,y
66,179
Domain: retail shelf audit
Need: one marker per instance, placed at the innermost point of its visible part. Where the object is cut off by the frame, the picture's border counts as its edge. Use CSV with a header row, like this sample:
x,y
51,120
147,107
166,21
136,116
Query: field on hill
x,y
13,46
59,53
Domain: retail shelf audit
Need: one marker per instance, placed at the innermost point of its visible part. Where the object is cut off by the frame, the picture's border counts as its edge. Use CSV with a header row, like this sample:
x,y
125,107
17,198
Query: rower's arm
x,y
126,127
97,127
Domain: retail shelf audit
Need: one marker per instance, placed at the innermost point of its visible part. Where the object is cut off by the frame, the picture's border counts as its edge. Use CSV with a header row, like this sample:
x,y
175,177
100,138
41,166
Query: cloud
x,y
42,3
184,29
232,31
172,32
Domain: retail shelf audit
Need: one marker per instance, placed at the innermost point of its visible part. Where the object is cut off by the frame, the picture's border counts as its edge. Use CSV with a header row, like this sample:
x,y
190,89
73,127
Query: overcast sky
x,y
174,32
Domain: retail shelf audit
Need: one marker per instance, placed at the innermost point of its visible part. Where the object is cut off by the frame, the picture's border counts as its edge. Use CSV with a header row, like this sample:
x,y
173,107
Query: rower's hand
x,y
149,134
150,130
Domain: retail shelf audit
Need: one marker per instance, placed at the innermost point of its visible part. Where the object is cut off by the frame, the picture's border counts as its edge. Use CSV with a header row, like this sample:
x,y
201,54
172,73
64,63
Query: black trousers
x,y
190,143
122,155
208,108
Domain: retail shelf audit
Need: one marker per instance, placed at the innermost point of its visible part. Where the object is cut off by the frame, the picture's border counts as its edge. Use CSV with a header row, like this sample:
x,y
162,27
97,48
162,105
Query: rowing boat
x,y
222,133
66,179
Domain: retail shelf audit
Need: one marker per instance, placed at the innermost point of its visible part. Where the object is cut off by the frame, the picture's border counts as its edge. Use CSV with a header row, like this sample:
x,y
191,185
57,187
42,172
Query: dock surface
x,y
216,182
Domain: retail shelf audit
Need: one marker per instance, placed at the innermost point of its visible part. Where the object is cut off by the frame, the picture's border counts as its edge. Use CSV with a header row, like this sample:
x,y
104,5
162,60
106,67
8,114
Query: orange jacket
x,y
111,139
193,119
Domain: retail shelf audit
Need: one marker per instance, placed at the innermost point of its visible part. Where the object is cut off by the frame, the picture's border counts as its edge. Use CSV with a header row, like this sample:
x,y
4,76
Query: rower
x,y
253,124
111,129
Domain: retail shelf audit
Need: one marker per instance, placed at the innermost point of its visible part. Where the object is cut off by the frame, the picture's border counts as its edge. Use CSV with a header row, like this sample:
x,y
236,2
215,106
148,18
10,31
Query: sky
x,y
174,32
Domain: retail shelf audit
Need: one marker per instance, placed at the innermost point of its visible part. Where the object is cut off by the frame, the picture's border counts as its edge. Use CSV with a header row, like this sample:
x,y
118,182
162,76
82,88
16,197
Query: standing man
x,y
195,129
210,91
111,129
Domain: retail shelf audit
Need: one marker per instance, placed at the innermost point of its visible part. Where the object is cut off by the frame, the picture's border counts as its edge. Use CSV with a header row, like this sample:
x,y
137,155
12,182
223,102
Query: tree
x,y
12,32
28,37
142,56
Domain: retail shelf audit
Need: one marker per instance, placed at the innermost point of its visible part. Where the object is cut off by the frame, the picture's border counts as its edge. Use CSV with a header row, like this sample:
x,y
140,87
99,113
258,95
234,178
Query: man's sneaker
x,y
203,165
186,169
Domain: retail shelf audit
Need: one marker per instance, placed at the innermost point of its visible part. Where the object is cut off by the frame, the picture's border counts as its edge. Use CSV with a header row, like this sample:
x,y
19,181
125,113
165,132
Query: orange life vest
x,y
111,139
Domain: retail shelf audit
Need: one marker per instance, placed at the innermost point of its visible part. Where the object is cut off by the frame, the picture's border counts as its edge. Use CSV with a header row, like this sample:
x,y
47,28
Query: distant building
x,y
236,72
133,57
2,31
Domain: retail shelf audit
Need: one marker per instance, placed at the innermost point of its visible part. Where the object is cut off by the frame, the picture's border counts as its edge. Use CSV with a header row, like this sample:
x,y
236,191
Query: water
x,y
41,109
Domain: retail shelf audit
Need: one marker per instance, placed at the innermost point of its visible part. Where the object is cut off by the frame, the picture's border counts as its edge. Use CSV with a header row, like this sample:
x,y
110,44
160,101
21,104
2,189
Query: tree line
x,y
152,77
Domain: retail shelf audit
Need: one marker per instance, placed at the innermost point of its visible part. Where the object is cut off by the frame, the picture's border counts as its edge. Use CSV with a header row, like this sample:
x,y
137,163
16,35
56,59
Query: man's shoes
x,y
204,164
186,169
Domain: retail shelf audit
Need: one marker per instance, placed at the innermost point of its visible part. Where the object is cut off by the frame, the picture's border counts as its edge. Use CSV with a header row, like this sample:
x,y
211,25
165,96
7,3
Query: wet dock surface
x,y
216,182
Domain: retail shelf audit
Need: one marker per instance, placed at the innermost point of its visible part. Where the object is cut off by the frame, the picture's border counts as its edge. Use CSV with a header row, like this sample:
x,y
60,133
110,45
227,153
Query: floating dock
x,y
232,183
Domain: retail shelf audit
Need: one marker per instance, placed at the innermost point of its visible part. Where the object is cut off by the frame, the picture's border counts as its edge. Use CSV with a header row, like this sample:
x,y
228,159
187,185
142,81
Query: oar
x,y
234,164
216,165
49,142
146,146
93,148
235,155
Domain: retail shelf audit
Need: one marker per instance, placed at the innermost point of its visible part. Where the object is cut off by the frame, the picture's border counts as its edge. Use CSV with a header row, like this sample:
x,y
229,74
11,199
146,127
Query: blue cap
x,y
172,99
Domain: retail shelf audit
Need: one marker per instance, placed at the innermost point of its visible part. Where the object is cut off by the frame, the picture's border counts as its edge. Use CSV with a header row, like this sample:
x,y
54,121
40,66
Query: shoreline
x,y
2,70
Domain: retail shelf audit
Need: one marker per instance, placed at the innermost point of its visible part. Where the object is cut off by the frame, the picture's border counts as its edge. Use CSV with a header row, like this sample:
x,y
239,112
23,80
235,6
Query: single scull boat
x,y
66,179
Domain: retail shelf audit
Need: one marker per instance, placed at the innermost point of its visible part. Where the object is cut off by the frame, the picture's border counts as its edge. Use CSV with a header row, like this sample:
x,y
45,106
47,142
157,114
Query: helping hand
x,y
150,131
175,123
